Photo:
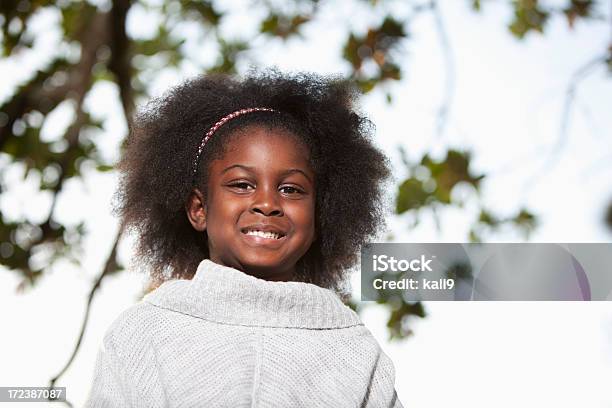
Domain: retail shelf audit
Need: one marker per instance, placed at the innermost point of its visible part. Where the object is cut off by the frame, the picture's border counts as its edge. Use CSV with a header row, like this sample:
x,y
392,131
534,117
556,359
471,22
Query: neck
x,y
273,274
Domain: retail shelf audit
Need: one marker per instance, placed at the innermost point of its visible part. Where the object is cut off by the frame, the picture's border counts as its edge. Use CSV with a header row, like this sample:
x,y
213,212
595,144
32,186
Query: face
x,y
259,209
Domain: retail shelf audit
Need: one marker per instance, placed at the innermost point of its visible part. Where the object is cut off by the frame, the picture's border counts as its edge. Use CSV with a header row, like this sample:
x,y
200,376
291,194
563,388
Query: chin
x,y
264,266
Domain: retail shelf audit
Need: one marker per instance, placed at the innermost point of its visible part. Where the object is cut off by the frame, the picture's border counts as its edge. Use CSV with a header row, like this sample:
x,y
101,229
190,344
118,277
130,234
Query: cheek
x,y
304,217
222,214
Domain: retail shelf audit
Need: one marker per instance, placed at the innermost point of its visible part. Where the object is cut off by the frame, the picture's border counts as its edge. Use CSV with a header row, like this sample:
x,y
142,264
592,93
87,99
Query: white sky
x,y
507,109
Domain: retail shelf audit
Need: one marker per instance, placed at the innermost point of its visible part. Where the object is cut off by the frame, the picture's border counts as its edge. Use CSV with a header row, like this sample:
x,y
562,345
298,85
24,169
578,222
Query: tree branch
x,y
93,35
119,63
570,95
113,23
109,266
30,96
120,66
445,107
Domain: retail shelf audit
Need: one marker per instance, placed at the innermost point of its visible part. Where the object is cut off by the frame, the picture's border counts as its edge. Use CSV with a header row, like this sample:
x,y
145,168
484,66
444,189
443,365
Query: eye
x,y
241,186
291,190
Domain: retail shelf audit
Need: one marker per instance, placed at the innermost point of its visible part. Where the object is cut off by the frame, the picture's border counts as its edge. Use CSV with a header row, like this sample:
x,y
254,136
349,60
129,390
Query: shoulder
x,y
361,337
359,342
132,328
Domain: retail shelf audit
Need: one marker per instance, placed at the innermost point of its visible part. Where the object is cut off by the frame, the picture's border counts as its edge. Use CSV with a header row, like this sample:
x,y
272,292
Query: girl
x,y
251,199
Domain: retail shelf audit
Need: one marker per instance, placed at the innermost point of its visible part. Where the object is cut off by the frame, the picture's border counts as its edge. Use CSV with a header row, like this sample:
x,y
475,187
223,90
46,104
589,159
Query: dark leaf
x,y
399,317
528,16
203,10
411,195
283,26
578,9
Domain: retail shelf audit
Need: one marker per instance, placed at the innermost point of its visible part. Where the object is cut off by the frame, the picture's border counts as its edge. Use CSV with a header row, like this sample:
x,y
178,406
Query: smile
x,y
264,234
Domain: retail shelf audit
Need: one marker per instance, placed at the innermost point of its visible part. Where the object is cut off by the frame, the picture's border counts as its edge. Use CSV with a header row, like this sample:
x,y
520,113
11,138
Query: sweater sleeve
x,y
106,390
381,390
127,372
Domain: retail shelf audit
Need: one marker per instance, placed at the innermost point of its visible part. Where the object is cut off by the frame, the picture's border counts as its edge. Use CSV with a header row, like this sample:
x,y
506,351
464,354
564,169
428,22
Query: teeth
x,y
263,234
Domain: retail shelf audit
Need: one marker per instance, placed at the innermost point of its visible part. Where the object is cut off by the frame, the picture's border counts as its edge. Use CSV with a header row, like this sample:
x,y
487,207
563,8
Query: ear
x,y
196,210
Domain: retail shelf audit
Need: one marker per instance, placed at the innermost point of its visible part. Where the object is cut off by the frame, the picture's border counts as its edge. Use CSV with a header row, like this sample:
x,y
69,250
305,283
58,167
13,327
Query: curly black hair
x,y
157,177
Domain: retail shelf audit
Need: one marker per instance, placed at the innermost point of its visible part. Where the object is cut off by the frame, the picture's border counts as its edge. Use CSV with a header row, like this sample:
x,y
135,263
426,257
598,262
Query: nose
x,y
266,202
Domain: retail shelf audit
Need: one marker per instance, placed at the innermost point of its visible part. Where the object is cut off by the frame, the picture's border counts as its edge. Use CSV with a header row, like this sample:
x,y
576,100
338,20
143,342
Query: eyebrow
x,y
252,170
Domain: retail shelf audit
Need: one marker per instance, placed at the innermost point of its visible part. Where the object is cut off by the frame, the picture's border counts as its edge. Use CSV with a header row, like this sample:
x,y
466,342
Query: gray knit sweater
x,y
227,339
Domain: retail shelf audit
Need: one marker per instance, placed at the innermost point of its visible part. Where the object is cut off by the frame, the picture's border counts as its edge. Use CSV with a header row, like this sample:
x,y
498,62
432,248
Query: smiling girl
x,y
251,199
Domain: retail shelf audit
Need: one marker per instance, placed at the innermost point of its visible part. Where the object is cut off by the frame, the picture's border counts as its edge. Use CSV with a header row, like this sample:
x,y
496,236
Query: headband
x,y
220,123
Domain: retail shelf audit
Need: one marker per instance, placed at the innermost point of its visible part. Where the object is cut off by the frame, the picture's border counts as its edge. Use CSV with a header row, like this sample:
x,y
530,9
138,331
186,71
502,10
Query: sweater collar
x,y
226,295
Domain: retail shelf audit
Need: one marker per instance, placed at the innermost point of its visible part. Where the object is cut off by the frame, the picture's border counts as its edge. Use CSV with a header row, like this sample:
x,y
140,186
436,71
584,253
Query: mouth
x,y
265,232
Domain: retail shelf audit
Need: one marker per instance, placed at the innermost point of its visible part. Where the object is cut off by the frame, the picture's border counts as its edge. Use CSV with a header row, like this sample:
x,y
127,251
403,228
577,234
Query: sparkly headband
x,y
220,123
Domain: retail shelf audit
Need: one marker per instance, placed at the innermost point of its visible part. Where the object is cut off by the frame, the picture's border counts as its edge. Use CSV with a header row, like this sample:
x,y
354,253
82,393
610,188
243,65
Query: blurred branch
x,y
570,96
120,66
109,266
119,63
445,107
33,95
81,74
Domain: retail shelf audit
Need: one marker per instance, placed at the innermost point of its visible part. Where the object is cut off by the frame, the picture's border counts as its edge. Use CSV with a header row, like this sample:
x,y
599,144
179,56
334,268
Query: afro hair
x,y
157,173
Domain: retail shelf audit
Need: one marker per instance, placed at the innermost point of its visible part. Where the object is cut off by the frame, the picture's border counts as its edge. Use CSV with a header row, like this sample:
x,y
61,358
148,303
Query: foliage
x,y
96,47
375,47
533,15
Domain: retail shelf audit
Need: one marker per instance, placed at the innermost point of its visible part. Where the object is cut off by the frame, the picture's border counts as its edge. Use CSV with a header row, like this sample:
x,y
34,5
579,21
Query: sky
x,y
506,109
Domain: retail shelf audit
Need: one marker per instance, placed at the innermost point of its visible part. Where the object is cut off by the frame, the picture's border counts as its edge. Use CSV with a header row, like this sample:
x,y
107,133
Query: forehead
x,y
266,146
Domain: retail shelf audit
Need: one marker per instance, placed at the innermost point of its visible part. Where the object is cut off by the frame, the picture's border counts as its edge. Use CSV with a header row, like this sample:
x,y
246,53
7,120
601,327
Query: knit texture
x,y
227,339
